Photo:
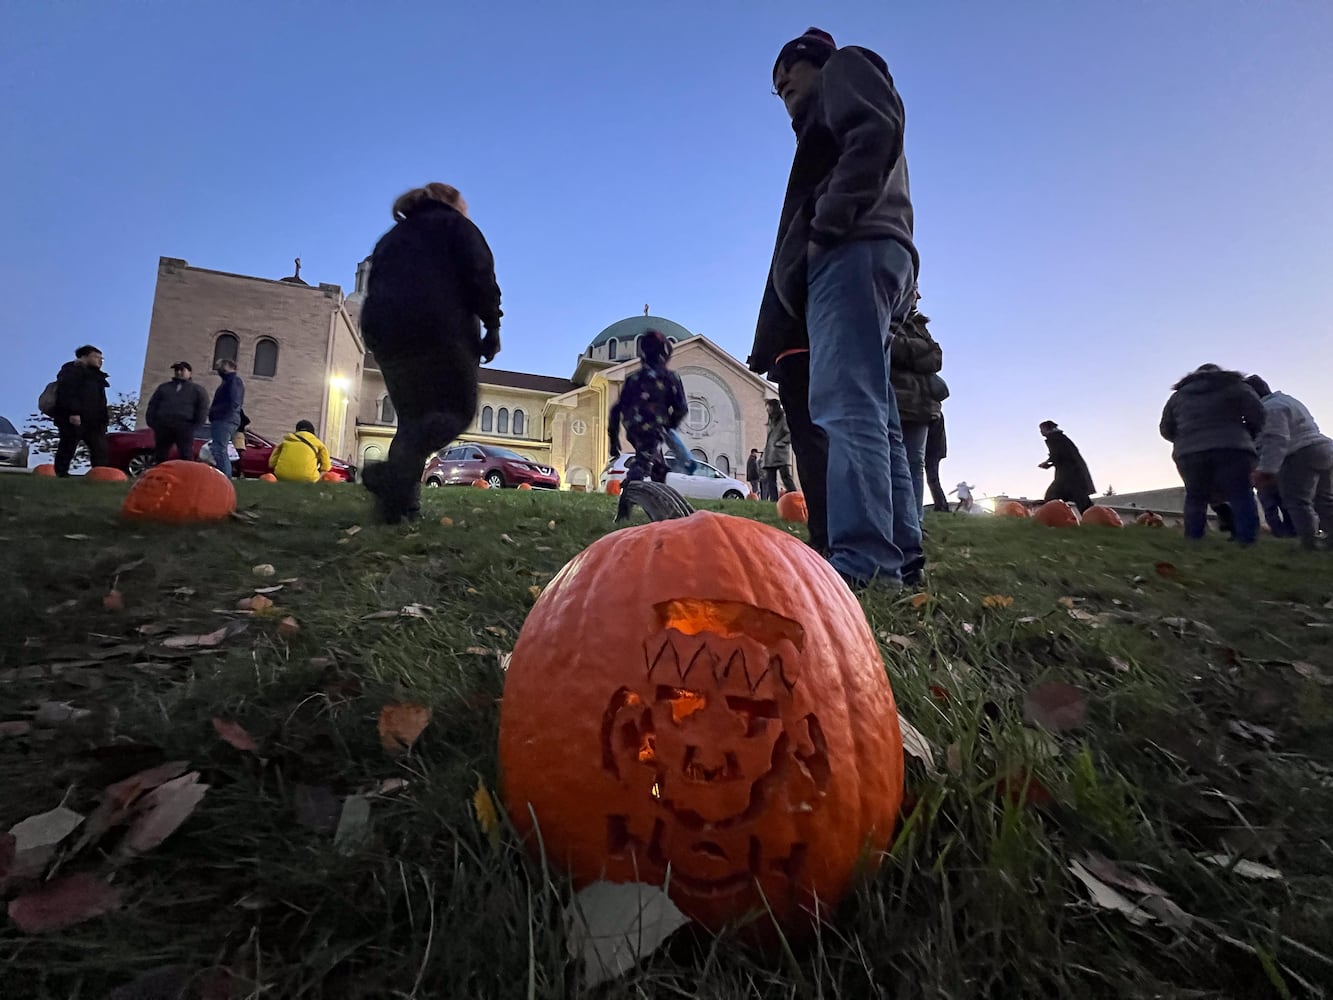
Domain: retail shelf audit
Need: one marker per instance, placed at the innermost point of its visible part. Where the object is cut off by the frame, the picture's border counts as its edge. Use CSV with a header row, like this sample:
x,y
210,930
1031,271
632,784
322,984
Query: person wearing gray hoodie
x,y
1298,459
1212,420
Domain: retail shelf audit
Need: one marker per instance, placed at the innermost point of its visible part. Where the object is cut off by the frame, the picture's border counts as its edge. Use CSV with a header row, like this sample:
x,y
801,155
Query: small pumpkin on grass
x,y
1102,517
791,507
268,477
330,477
480,484
613,487
1148,519
525,486
179,492
1056,514
105,474
731,735
44,470
1013,508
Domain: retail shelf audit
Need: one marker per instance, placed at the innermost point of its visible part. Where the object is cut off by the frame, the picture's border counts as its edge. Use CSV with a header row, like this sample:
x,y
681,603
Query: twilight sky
x,y
1107,194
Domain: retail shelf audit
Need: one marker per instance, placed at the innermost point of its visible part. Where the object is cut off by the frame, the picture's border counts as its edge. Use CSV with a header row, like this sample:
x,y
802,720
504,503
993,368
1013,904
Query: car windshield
x,y
6,427
506,453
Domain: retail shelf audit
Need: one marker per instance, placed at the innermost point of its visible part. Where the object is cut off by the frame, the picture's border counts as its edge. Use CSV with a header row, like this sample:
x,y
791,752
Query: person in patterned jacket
x,y
651,406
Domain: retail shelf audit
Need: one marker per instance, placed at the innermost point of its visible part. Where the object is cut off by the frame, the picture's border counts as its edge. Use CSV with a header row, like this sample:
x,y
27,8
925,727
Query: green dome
x,y
629,330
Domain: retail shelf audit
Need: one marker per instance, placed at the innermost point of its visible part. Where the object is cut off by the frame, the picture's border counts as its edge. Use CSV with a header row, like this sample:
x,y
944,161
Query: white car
x,y
707,483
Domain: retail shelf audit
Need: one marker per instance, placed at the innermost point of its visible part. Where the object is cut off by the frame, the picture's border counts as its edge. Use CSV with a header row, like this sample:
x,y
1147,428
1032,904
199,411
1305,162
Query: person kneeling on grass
x,y
300,457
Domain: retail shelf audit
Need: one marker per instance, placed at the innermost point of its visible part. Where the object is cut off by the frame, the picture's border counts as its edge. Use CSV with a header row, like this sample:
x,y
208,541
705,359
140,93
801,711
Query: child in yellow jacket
x,y
300,457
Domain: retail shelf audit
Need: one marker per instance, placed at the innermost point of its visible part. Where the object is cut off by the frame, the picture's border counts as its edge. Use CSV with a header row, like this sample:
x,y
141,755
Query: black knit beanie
x,y
815,46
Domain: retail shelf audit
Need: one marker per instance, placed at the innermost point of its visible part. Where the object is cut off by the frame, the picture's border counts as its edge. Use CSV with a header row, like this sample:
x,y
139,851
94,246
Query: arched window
x,y
723,464
487,418
388,415
611,349
374,453
700,454
227,347
699,416
520,423
502,421
266,357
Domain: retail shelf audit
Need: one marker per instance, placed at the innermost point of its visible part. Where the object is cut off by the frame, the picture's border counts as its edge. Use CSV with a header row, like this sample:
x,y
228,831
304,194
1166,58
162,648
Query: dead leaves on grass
x,y
235,734
1055,706
207,640
401,725
63,903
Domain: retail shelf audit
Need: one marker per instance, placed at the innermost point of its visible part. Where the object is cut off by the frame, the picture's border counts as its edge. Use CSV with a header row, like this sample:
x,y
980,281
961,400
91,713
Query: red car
x,y
460,464
132,452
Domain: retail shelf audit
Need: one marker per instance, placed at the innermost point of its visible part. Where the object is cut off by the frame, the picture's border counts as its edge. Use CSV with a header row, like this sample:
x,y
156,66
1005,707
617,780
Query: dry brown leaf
x,y
235,734
114,601
19,728
208,639
479,651
535,592
920,600
160,814
1166,569
488,818
118,800
508,540
901,641
63,903
917,745
256,604
1068,602
496,630
264,570
1111,873
1243,868
447,522
1056,706
289,627
473,590
400,726
997,601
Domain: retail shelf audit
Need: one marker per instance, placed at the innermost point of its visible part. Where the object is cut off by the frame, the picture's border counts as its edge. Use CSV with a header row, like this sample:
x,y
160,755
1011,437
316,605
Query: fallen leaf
x,y
19,728
473,590
496,630
1166,569
969,628
479,651
114,600
1068,602
390,786
550,524
401,725
63,903
920,600
160,814
184,592
1243,868
56,609
1168,912
901,641
1309,671
235,734
610,927
1028,619
118,800
353,825
289,627
997,601
508,540
207,640
415,611
917,745
487,816
78,538
256,604
264,569
504,659
152,628
59,713
1111,873
1118,664
1078,614
37,838
535,592
316,807
1056,706
1106,897
269,590
352,530
1249,731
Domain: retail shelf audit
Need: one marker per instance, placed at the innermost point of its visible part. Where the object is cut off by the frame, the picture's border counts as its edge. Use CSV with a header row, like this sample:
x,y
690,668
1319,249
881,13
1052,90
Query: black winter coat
x,y
937,441
1071,472
1212,410
914,356
81,392
432,281
178,402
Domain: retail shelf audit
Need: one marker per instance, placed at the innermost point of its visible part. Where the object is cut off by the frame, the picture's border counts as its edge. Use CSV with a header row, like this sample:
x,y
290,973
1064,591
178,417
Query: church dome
x,y
627,331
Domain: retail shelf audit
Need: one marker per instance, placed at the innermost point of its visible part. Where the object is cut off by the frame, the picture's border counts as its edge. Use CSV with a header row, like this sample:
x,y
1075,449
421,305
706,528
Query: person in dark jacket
x,y
651,406
175,411
843,269
431,291
1073,481
1212,420
80,412
224,415
937,450
753,476
914,363
776,459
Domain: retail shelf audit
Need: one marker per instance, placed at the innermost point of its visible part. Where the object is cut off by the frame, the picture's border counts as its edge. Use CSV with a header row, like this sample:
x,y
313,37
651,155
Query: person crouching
x,y
300,456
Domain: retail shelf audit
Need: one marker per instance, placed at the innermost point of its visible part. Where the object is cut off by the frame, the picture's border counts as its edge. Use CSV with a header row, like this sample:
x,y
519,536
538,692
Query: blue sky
x,y
1107,194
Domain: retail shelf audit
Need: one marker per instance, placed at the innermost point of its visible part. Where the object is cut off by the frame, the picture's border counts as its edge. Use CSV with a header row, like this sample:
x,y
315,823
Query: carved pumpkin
x,y
1056,514
268,477
1013,508
480,484
330,477
613,487
791,507
1102,517
733,722
105,474
44,470
525,486
179,492
1149,520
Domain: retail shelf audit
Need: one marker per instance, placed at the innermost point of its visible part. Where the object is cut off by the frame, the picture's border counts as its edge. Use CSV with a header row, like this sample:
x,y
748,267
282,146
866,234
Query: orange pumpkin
x,y
733,723
44,470
525,486
1149,520
480,484
330,477
1102,517
105,474
1013,508
752,496
179,492
1056,514
613,487
268,477
791,507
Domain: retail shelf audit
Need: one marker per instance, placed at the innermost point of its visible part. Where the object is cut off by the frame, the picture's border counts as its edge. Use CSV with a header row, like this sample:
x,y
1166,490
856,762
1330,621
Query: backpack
x,y
46,402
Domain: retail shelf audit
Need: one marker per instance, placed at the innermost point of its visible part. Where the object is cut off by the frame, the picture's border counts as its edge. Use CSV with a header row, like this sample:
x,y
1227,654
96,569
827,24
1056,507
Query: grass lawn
x,y
1202,675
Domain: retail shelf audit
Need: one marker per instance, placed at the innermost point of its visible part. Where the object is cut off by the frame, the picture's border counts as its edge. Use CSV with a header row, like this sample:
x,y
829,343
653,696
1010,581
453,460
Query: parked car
x,y
707,483
13,449
132,452
462,463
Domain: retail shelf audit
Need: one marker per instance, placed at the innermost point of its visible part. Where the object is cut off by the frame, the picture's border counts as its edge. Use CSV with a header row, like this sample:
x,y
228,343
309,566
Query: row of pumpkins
x,y
1058,514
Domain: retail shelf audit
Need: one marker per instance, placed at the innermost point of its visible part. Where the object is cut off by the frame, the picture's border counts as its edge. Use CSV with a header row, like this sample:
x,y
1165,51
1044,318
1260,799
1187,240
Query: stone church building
x,y
299,349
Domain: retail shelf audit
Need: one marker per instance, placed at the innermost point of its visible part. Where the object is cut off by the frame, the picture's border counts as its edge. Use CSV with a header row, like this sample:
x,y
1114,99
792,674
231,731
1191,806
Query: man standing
x,y
80,412
224,416
1073,481
175,411
776,460
843,270
752,473
1298,459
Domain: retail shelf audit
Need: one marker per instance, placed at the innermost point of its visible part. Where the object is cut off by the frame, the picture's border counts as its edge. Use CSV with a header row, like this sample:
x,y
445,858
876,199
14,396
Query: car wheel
x,y
496,480
139,463
732,495
433,483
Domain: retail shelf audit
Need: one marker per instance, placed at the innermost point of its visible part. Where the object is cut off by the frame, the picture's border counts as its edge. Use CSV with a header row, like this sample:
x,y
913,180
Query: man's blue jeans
x,y
1221,474
219,444
914,439
856,290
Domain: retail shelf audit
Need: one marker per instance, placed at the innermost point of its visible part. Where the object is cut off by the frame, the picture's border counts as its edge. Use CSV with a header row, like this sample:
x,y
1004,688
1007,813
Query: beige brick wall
x,y
344,405
192,305
497,397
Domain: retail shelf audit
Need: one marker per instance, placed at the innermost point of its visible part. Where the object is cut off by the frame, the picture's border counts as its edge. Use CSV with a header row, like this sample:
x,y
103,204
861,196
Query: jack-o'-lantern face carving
x,y
718,742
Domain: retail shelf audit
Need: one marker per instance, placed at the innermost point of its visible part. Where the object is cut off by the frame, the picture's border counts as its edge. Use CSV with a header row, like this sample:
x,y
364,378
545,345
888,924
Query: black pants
x,y
1076,495
1220,477
937,494
181,436
435,394
93,438
648,462
809,444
